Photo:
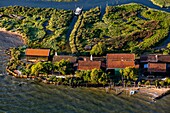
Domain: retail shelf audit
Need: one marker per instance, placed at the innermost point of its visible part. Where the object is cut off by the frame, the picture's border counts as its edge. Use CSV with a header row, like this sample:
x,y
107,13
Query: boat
x,y
78,11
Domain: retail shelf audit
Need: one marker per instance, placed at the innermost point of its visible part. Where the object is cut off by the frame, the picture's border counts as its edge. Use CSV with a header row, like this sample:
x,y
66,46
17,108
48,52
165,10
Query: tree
x,y
129,73
104,79
47,67
64,67
86,76
36,68
95,76
168,46
98,49
162,83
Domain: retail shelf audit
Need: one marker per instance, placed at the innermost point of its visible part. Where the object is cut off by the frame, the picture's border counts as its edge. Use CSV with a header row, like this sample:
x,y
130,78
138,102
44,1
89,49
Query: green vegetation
x,y
63,67
161,3
127,28
93,77
98,49
129,74
15,61
84,31
165,51
40,27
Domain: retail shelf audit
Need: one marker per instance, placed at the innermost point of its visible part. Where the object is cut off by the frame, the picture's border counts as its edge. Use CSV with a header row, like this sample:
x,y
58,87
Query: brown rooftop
x,y
155,58
122,60
157,67
119,64
164,58
89,65
37,52
121,57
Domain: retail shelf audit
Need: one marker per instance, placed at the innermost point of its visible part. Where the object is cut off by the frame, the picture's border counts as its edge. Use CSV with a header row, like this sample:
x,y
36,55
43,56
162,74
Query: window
x,y
145,65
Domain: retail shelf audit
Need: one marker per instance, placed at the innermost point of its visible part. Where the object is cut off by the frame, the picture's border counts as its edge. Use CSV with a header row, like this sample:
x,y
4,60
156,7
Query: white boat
x,y
78,11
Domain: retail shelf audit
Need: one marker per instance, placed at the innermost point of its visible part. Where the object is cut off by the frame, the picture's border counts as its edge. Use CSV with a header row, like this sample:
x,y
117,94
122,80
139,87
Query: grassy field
x,y
162,3
125,28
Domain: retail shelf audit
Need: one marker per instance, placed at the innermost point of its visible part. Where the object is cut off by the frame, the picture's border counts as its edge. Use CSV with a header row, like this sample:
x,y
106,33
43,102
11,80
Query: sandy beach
x,y
153,92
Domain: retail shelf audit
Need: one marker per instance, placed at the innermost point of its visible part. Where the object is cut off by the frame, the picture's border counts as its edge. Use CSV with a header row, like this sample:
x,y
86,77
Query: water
x,y
34,97
86,4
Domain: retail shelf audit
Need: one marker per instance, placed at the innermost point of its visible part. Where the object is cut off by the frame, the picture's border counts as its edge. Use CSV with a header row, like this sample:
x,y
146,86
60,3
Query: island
x,y
161,3
115,50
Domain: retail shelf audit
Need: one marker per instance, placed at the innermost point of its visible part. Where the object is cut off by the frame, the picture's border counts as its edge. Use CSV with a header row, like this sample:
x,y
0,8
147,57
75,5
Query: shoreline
x,y
16,34
150,93
155,93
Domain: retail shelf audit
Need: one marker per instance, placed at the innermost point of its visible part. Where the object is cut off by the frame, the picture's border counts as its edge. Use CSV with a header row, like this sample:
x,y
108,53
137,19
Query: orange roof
x,y
122,60
121,57
89,65
37,52
157,67
119,64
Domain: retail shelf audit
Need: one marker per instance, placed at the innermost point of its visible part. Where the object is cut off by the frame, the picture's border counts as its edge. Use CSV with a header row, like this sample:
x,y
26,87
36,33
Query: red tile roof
x,y
89,65
37,52
119,64
120,60
157,67
121,57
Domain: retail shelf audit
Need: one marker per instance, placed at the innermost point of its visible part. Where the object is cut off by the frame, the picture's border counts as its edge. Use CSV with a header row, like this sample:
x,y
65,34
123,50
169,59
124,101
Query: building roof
x,y
120,60
164,58
58,58
157,67
88,65
121,57
119,64
155,58
37,52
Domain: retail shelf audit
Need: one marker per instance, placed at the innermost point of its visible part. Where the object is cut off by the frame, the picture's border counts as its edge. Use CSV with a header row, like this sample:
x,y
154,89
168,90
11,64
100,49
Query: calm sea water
x,y
34,97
